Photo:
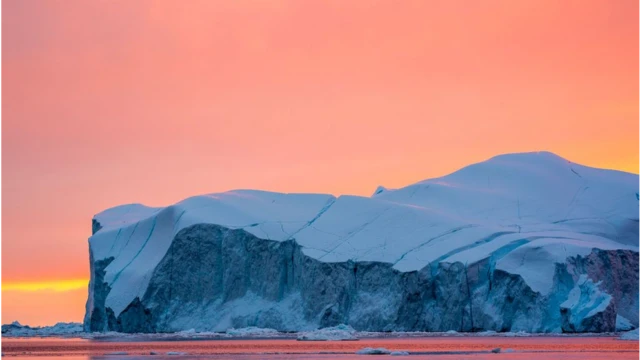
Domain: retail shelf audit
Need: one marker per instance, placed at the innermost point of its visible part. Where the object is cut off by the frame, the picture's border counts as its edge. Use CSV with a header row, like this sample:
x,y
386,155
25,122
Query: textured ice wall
x,y
213,278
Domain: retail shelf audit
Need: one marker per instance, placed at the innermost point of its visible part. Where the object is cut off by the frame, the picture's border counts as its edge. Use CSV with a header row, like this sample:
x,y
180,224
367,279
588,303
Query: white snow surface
x,y
534,206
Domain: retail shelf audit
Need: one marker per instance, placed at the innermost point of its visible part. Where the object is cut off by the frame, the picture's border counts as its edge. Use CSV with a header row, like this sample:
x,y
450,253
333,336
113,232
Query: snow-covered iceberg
x,y
521,242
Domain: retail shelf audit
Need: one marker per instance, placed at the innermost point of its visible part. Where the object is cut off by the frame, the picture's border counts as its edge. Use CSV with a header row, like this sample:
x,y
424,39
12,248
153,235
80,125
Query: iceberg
x,y
527,242
15,329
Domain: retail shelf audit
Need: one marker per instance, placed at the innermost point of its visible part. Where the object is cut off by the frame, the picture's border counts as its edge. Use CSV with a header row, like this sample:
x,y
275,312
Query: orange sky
x,y
110,102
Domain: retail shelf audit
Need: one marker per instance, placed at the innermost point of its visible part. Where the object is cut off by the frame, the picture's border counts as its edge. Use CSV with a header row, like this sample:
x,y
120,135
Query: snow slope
x,y
523,213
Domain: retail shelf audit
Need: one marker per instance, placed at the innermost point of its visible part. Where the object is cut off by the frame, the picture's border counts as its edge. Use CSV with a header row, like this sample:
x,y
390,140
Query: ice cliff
x,y
520,242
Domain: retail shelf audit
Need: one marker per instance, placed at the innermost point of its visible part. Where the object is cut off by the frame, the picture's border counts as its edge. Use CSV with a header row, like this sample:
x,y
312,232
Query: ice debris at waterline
x,y
252,331
521,242
335,333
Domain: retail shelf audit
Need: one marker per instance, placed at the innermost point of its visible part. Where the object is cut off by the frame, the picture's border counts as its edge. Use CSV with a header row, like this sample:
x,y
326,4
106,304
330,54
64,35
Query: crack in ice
x,y
153,226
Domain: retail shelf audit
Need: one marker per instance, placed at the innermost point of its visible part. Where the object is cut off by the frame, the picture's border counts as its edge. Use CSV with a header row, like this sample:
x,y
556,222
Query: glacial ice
x,y
585,304
521,242
630,335
623,324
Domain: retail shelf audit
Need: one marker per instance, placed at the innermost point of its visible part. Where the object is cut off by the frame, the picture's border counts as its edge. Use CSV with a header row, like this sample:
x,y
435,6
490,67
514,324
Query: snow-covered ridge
x,y
533,206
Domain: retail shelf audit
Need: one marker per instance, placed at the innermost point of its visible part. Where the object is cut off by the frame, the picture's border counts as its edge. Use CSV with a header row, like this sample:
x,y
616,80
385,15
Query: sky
x,y
112,102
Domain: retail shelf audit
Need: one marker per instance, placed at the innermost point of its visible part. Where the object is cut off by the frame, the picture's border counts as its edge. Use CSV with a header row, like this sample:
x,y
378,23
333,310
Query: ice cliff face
x,y
526,242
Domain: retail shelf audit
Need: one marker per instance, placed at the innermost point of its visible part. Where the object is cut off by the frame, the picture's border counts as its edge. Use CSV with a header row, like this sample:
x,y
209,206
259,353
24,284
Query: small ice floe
x,y
373,351
496,350
176,353
154,353
508,351
399,353
629,335
335,333
118,353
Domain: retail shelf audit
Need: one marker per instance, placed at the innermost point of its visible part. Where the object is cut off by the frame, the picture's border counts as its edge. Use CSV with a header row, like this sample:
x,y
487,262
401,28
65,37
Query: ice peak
x,y
380,189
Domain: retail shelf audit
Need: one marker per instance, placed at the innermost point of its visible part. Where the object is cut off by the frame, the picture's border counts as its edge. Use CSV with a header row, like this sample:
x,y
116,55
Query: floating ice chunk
x,y
335,333
176,353
373,351
399,353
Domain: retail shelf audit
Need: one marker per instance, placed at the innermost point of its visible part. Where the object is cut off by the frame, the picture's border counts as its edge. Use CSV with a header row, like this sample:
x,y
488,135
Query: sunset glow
x,y
115,102
57,285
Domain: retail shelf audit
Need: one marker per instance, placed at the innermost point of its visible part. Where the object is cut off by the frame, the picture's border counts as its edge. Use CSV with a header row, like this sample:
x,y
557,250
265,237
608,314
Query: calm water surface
x,y
476,348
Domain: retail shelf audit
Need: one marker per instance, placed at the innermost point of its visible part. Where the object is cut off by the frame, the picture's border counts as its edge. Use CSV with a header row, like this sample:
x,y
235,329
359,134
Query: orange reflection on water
x,y
448,347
